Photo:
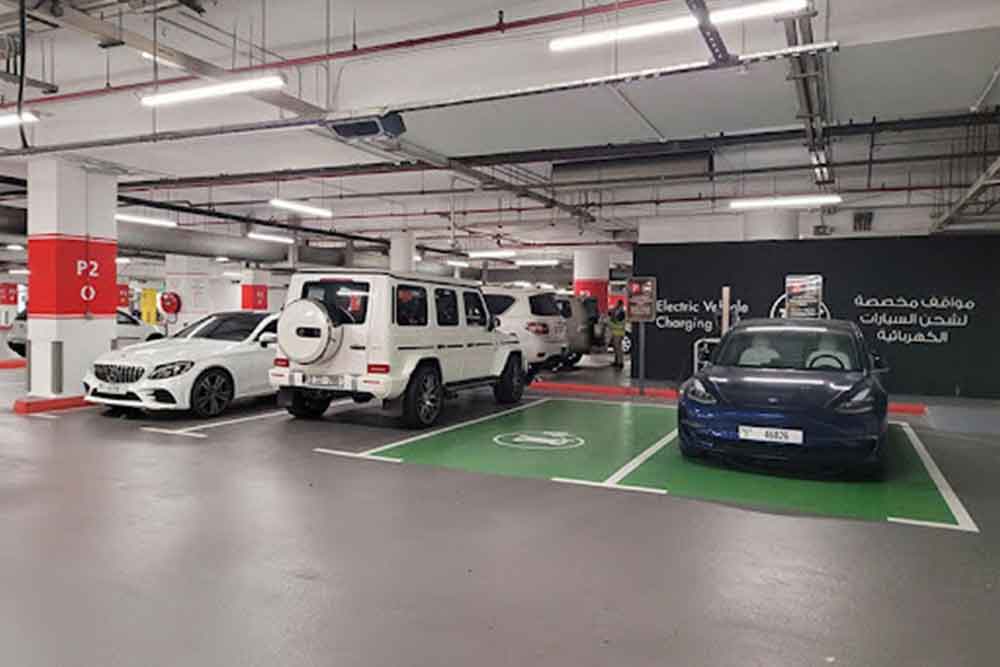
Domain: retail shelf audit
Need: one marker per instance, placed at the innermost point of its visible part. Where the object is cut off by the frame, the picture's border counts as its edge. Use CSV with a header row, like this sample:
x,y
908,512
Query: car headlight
x,y
696,391
859,403
166,371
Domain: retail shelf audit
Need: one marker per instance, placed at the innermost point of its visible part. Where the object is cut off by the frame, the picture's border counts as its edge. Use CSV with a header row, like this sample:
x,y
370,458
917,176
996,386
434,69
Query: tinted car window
x,y
544,305
346,300
790,348
234,327
499,303
411,306
475,312
446,304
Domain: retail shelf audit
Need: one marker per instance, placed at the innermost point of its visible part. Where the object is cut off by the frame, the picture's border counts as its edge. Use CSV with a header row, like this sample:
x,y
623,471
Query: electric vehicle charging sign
x,y
642,299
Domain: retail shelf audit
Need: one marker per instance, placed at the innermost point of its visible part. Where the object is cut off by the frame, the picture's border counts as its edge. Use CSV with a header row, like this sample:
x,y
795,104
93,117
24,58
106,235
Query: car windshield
x,y
346,300
790,348
231,327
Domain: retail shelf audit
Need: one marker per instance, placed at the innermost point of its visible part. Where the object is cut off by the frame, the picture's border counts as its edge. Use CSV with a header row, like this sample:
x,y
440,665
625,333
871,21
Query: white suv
x,y
407,340
535,317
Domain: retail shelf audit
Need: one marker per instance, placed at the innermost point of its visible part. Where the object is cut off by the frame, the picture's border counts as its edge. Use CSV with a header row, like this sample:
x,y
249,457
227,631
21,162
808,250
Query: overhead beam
x,y
982,184
711,35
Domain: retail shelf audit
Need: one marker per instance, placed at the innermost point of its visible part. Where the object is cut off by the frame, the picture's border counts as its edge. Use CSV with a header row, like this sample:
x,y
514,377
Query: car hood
x,y
779,389
168,350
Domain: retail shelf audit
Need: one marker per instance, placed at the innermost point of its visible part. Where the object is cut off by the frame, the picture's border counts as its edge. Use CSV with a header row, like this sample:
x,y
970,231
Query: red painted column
x,y
591,269
253,290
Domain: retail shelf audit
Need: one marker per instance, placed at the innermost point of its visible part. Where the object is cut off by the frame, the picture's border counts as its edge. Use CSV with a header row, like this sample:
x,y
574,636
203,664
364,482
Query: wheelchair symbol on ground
x,y
539,440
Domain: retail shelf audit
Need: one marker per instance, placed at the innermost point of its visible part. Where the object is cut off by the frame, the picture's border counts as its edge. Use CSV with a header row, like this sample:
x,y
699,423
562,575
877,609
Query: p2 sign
x,y
72,277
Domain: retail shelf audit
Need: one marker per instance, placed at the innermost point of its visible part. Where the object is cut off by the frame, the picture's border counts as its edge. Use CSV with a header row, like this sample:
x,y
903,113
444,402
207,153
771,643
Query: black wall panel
x,y
931,306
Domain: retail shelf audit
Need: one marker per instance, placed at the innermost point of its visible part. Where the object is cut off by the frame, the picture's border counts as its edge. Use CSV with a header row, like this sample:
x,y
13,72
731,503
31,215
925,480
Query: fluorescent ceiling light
x,y
221,260
161,60
19,272
122,260
457,263
491,254
521,283
679,24
15,246
537,262
12,119
271,82
142,220
795,201
271,238
546,285
232,274
418,258
301,208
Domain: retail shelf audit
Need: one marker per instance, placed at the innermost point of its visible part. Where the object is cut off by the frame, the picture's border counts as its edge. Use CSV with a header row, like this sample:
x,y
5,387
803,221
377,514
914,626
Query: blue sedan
x,y
789,392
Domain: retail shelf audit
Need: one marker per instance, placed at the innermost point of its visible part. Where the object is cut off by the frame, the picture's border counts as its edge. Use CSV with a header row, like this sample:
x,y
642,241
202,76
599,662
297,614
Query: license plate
x,y
784,436
111,389
331,381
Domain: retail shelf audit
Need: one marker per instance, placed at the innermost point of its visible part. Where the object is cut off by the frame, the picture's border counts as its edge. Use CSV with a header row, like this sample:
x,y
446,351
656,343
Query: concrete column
x,y
402,247
770,225
194,280
72,247
591,270
253,290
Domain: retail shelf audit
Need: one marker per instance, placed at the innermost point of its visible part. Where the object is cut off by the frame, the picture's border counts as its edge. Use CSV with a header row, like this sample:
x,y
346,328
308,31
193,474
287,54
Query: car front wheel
x,y
212,393
424,398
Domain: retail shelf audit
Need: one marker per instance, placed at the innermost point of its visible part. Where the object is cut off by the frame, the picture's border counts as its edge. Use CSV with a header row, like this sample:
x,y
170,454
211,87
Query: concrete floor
x,y
120,546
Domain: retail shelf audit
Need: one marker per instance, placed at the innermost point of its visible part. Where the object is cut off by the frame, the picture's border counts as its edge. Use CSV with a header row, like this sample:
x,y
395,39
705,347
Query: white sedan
x,y
128,331
202,368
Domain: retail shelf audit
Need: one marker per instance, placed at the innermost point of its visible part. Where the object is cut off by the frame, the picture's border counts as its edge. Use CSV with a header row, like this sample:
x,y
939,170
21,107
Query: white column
x,y
194,280
591,270
72,247
402,246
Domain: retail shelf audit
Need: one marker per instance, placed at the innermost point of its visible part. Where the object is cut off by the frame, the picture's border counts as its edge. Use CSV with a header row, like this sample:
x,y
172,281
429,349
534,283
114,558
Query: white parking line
x,y
356,455
606,485
195,431
431,434
955,505
630,467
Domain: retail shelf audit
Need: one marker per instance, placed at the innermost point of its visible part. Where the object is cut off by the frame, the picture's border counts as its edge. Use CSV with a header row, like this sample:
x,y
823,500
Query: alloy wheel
x,y
212,394
429,402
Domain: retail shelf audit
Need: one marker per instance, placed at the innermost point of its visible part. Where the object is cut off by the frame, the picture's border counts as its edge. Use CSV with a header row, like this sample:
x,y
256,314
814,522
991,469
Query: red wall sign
x,y
8,294
254,297
124,298
72,276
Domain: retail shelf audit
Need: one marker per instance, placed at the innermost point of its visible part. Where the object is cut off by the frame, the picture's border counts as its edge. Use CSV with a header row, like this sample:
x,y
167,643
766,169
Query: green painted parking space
x,y
632,446
582,440
907,493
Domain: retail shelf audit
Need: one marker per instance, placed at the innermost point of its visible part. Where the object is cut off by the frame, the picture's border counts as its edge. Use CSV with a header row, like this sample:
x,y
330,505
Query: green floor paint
x,y
612,435
908,492
589,441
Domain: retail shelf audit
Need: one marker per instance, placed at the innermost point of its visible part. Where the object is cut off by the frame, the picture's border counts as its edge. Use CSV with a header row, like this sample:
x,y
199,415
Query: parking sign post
x,y
641,310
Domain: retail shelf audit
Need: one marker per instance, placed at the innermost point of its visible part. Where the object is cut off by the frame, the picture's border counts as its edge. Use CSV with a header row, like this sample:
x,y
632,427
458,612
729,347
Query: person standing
x,y
618,322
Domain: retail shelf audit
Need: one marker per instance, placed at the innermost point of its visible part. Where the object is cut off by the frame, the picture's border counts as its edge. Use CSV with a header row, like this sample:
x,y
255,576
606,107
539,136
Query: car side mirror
x,y
879,364
268,339
494,323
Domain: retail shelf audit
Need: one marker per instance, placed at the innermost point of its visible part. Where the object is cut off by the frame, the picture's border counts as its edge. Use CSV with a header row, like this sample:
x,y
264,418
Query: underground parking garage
x,y
550,333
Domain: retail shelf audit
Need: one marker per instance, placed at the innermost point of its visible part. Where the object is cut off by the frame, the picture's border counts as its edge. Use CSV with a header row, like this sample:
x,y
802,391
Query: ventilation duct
x,y
696,164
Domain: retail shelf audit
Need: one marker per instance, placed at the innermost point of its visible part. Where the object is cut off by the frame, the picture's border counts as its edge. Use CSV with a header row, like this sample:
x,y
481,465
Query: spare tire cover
x,y
306,333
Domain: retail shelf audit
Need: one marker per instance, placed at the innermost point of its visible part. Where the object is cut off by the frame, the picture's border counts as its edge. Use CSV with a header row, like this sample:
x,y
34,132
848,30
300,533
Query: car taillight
x,y
538,328
280,362
378,369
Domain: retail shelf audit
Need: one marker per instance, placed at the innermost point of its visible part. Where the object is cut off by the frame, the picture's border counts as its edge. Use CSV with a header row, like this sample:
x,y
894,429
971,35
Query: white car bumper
x,y
382,387
170,394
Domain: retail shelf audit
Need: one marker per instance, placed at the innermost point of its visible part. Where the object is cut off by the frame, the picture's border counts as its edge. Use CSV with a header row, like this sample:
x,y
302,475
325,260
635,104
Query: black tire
x,y
571,360
510,387
309,405
424,398
212,393
688,452
871,472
